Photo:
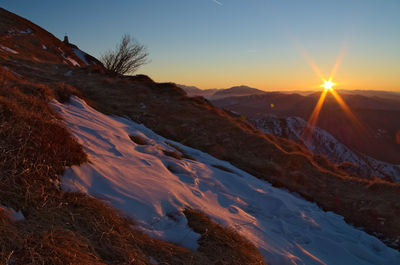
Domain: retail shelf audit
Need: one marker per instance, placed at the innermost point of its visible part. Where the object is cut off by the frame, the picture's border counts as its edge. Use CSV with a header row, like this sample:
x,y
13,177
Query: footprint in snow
x,y
233,209
186,179
145,162
197,193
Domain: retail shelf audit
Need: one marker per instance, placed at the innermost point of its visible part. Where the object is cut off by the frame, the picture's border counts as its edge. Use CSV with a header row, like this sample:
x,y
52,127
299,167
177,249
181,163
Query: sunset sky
x,y
218,44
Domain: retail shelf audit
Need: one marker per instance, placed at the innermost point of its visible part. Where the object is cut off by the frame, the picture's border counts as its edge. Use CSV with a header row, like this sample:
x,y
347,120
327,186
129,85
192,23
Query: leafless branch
x,y
128,56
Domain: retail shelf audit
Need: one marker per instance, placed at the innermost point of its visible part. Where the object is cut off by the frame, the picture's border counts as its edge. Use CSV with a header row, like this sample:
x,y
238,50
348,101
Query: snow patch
x,y
81,55
14,73
144,183
68,59
27,31
72,61
8,49
12,214
68,73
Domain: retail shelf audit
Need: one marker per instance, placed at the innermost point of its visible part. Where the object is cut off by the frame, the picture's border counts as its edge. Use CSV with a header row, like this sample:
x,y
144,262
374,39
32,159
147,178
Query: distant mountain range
x,y
243,90
215,93
195,91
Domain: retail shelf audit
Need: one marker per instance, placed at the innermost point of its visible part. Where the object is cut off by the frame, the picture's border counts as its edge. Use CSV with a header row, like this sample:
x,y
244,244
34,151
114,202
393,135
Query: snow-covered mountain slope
x,y
324,143
152,187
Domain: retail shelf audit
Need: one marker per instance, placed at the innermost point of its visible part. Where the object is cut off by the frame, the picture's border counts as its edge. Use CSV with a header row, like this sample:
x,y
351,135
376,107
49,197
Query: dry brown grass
x,y
34,150
9,238
34,145
222,245
107,234
182,153
56,247
60,228
172,154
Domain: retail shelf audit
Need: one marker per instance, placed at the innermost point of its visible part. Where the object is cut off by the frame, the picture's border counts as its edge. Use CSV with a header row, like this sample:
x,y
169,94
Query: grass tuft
x,y
172,154
138,140
183,154
222,245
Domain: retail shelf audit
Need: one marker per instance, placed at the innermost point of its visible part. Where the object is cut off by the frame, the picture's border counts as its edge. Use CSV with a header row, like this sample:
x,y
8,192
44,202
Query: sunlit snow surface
x,y
144,183
8,49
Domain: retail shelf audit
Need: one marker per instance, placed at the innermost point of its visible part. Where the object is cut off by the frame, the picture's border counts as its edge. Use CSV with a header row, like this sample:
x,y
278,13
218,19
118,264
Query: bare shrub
x,y
129,55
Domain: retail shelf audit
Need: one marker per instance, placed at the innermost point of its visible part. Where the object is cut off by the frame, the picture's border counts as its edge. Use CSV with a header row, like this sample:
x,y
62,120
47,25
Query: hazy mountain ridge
x,y
217,93
236,91
374,93
195,91
378,94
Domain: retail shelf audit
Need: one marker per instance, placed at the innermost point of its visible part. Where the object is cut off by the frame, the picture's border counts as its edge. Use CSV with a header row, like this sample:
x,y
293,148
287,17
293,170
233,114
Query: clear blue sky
x,y
262,43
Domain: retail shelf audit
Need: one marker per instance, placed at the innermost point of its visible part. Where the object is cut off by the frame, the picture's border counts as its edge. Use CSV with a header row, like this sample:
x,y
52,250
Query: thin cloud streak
x,y
217,2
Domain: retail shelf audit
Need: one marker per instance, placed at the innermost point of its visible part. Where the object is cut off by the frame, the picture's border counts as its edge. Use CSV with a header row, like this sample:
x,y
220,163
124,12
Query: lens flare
x,y
328,87
312,121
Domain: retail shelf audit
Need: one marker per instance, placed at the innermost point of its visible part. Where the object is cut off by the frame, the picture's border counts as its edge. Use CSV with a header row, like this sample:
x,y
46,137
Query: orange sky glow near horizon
x,y
263,44
296,75
300,73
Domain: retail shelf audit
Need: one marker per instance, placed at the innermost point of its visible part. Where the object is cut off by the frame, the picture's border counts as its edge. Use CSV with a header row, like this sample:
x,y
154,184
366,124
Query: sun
x,y
328,85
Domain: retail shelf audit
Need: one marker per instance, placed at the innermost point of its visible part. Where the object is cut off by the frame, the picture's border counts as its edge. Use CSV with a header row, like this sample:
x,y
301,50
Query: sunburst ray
x,y
328,87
